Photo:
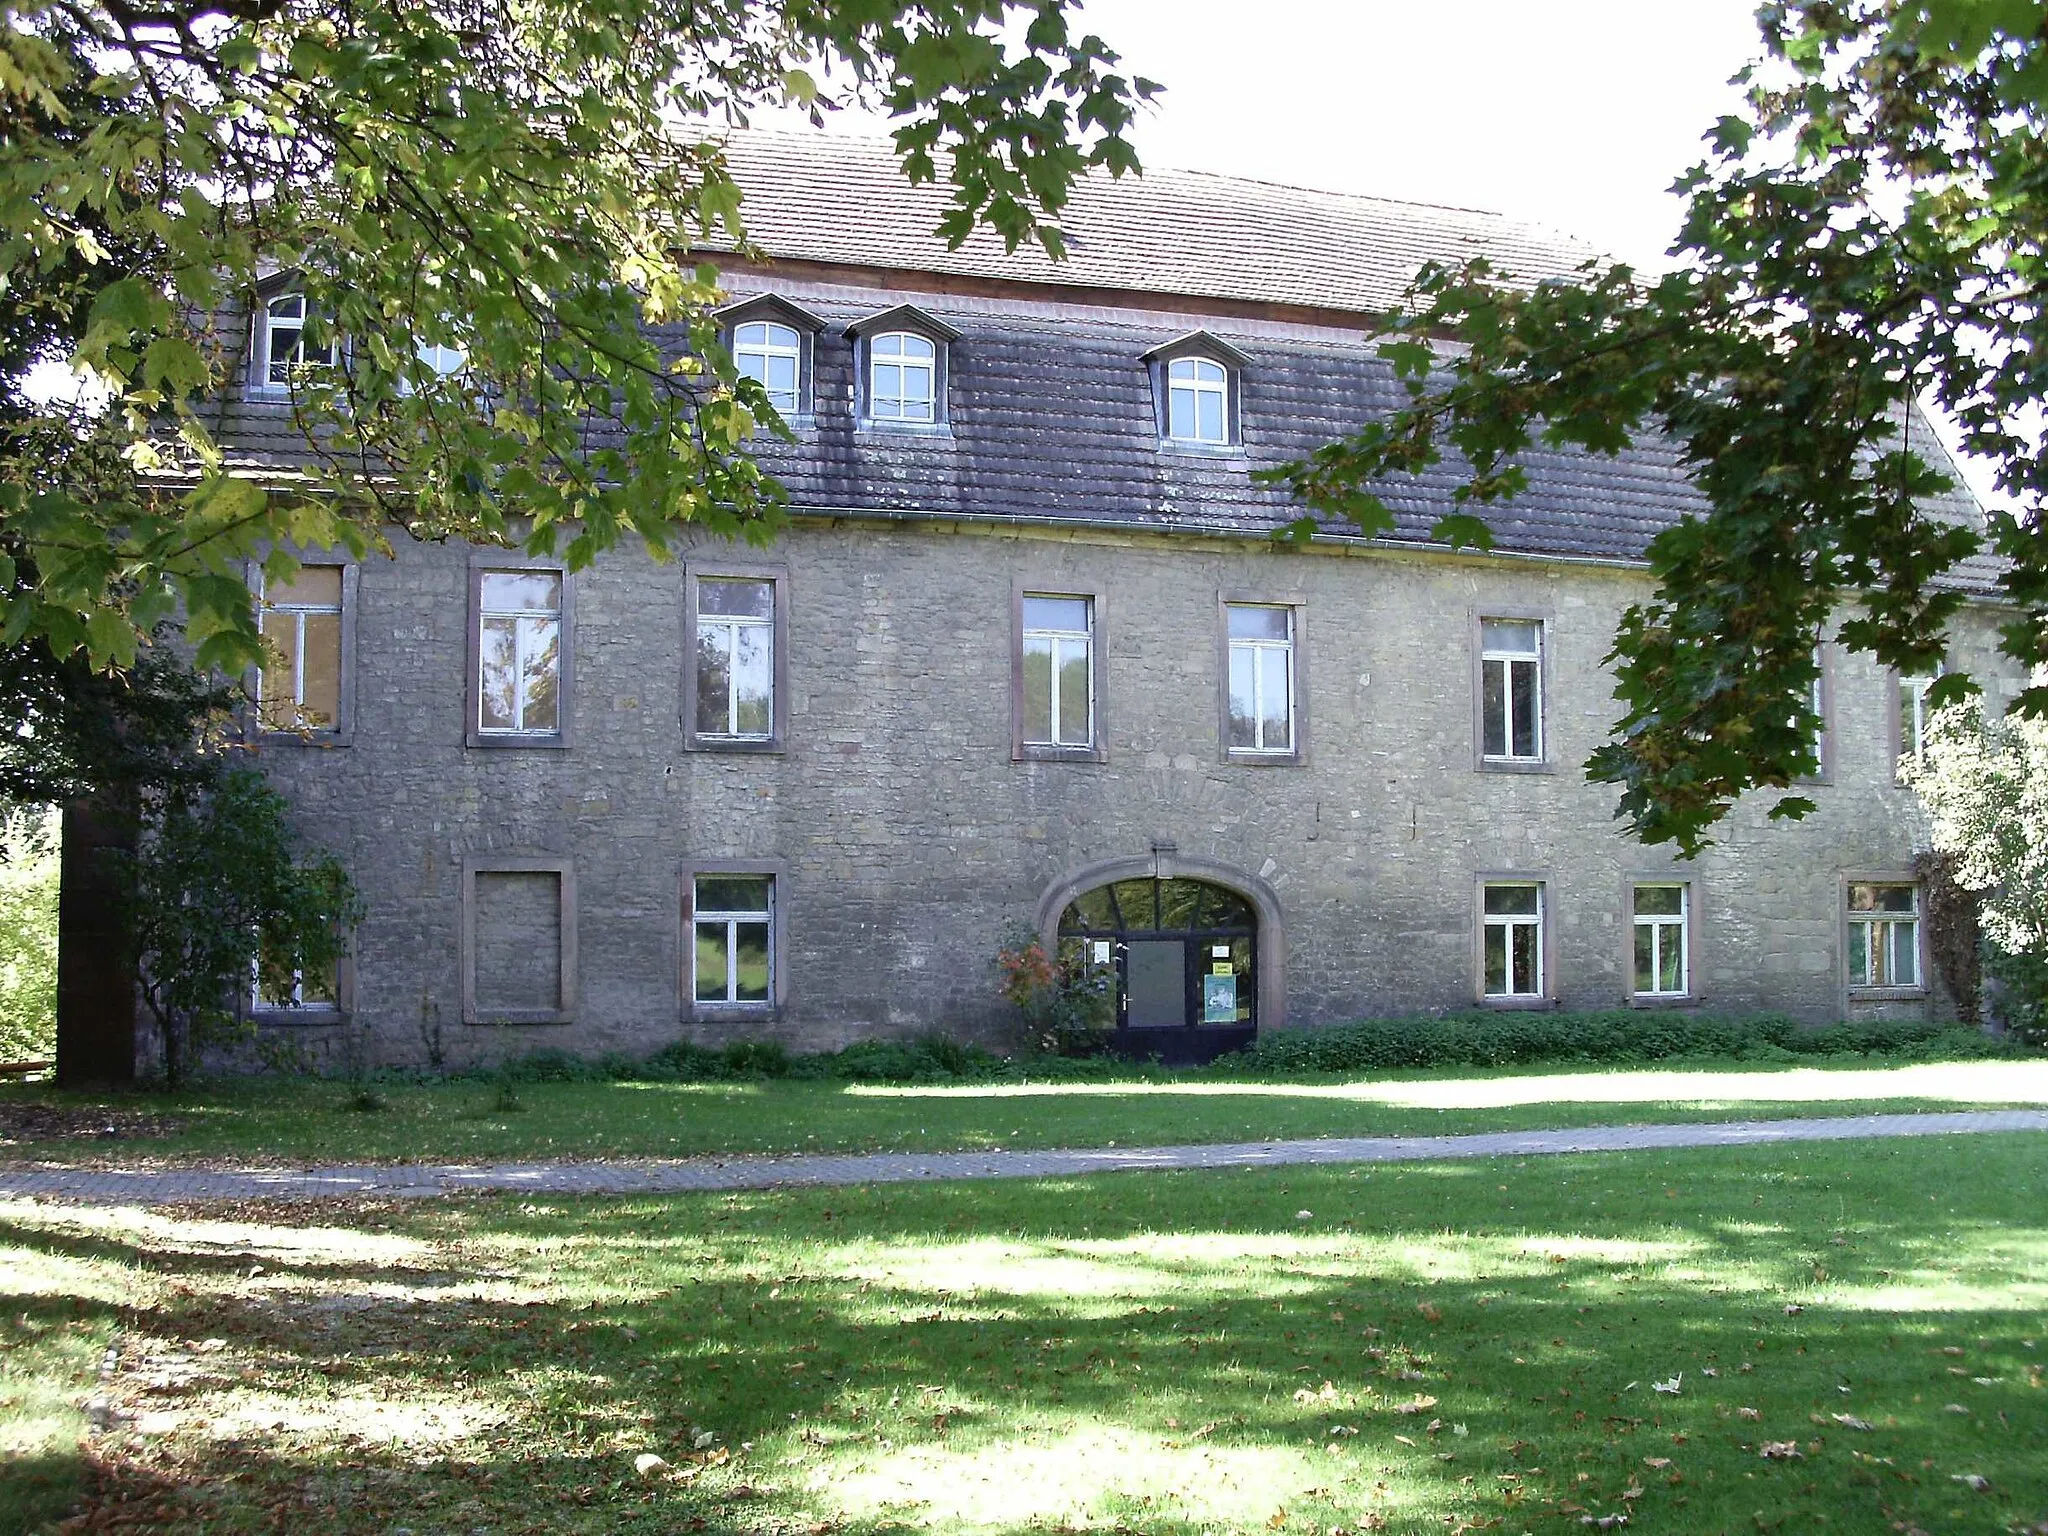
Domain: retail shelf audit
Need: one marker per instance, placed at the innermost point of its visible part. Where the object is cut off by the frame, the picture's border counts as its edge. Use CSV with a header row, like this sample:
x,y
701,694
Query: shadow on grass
x,y
1175,1353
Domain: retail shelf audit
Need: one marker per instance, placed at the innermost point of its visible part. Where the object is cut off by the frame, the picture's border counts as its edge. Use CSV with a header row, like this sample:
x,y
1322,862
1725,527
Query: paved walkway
x,y
155,1186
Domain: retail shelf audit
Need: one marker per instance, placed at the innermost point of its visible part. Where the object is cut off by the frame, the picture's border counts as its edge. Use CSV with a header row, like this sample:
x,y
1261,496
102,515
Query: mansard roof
x,y
827,197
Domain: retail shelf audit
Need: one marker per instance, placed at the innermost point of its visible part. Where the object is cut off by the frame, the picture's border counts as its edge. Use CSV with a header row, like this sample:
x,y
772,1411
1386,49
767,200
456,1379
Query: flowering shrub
x,y
1065,998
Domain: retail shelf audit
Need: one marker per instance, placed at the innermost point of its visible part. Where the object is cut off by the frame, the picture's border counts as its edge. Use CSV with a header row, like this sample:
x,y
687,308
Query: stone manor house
x,y
1028,655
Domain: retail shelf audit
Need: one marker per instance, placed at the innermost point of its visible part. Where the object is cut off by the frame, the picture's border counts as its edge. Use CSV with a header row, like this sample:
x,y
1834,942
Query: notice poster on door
x,y
1219,999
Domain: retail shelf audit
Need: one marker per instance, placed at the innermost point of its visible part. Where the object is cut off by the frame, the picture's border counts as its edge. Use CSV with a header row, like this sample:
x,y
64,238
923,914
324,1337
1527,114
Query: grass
x,y
1431,1348
298,1120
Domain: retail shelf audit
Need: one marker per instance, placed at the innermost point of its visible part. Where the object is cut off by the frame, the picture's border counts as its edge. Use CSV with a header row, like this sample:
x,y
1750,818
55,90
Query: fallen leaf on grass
x,y
1954,1408
1429,1313
1971,1481
1850,1421
1418,1404
1781,1450
1670,1388
1657,1463
1751,1414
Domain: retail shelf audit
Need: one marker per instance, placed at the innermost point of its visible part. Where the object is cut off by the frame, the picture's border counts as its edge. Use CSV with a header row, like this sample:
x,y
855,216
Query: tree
x,y
28,933
1871,233
222,902
517,184
1985,786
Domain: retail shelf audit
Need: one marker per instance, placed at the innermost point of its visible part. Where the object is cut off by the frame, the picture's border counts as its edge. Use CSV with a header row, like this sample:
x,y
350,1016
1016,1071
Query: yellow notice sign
x,y
1221,968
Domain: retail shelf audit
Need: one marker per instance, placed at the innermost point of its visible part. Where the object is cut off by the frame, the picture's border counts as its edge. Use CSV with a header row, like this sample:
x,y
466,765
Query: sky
x,y
1577,114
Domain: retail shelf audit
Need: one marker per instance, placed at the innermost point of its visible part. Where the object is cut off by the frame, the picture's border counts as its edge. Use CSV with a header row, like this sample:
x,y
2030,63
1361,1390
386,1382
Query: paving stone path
x,y
161,1185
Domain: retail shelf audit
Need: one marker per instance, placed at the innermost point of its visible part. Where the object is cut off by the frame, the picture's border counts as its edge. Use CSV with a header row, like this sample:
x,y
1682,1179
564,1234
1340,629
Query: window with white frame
x,y
903,374
298,687
773,355
288,353
1663,959
1059,671
442,358
1511,690
1512,944
1915,714
735,658
519,653
1261,639
732,954
1884,935
1197,400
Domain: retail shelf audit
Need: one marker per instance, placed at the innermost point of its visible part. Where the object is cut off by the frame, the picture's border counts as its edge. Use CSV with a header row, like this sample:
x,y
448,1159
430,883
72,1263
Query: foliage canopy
x,y
1871,233
521,184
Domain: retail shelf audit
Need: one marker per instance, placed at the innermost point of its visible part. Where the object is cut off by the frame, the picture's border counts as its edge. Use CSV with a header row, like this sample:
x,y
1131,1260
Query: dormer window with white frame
x,y
772,342
1195,381
285,352
902,363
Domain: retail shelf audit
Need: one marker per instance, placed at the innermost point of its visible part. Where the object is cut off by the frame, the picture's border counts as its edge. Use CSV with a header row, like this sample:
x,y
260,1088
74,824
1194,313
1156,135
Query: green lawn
x,y
296,1120
1450,1347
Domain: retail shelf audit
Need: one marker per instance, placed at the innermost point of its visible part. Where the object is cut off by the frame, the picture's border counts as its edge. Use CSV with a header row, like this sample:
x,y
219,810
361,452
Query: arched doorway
x,y
1186,955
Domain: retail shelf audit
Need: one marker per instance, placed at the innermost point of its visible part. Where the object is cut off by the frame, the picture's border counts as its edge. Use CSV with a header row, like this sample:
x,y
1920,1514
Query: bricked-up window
x,y
773,354
1059,671
1511,690
1512,945
735,658
1663,962
287,351
732,920
1197,401
518,940
903,374
299,687
519,653
1262,671
1884,935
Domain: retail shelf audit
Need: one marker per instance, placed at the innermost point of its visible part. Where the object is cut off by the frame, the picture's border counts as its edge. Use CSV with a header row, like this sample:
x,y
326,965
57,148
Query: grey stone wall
x,y
905,838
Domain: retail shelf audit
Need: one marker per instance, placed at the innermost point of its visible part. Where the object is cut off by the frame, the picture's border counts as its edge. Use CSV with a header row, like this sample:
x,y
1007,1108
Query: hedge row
x,y
1618,1037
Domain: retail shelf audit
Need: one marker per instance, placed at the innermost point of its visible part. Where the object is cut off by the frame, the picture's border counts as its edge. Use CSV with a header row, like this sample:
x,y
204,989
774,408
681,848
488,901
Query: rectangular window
x,y
1262,671
1511,690
519,653
1663,959
287,353
299,687
1059,671
1915,715
732,956
1513,941
1884,935
735,658
318,994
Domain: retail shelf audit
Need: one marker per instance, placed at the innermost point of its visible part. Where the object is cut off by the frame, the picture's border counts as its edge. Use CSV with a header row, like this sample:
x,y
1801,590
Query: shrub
x,y
1065,999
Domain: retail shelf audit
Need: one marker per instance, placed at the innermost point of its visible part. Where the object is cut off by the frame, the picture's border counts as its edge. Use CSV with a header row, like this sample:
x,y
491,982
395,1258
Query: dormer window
x,y
1197,400
1194,381
902,363
903,375
287,353
770,340
774,355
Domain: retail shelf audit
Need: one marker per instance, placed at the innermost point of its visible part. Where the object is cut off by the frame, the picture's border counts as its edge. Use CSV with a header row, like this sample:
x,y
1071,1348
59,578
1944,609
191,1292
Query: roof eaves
x,y
906,317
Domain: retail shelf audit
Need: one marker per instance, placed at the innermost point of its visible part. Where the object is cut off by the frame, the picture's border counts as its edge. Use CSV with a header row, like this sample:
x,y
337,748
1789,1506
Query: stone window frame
x,y
1691,996
1211,348
1851,993
689,1009
343,732
1897,714
917,322
520,864
482,562
1546,906
1096,594
777,310
309,1015
777,740
1824,687
1296,602
1546,621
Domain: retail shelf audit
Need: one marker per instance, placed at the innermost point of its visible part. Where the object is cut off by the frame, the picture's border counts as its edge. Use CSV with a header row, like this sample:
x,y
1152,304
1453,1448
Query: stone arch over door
x,y
1163,863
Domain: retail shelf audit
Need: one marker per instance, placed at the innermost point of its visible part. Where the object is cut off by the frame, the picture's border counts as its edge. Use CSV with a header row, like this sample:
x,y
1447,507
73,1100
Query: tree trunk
x,y
95,954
